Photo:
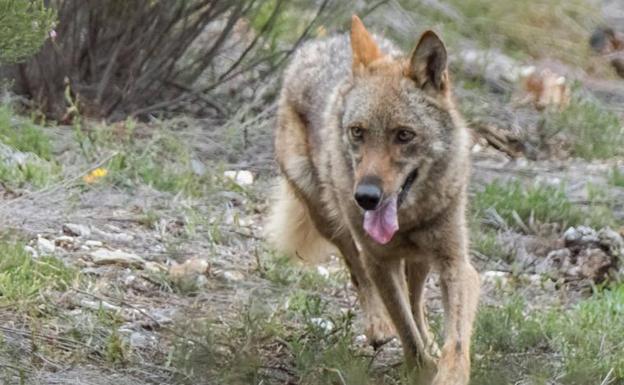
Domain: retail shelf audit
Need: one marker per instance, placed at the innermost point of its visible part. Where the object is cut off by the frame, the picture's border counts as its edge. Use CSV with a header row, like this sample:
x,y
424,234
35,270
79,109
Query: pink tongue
x,y
381,224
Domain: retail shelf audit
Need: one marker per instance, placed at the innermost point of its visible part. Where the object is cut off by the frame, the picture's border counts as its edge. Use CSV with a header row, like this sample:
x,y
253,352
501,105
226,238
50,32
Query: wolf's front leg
x,y
389,279
460,293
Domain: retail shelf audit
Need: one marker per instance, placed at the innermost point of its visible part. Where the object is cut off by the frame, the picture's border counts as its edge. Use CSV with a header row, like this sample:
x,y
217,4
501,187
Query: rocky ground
x,y
133,253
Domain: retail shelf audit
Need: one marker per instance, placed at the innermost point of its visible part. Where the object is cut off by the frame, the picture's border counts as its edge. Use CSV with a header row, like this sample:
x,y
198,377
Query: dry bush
x,y
116,58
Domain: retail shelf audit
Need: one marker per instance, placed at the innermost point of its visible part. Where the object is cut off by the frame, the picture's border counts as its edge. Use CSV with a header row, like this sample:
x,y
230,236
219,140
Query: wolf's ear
x,y
364,48
427,65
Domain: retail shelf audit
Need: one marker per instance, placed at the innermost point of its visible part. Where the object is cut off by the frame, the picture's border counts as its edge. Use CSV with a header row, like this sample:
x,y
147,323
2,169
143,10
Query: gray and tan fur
x,y
355,111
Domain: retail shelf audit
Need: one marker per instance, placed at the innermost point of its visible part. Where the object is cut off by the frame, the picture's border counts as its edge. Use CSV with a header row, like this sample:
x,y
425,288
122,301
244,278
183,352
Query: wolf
x,y
374,163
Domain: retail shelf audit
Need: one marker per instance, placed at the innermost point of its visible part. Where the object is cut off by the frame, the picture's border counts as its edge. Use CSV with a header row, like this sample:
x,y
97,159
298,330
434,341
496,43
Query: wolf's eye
x,y
356,132
404,136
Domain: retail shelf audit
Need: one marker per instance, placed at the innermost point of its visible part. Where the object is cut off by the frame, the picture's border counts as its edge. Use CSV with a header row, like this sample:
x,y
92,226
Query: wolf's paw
x,y
379,330
450,378
452,370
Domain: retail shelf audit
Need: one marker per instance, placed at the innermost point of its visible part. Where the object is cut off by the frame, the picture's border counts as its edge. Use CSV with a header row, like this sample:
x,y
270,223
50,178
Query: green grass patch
x,y
537,28
580,345
23,135
35,173
305,343
511,200
518,205
34,167
23,278
485,241
283,271
158,159
616,177
594,131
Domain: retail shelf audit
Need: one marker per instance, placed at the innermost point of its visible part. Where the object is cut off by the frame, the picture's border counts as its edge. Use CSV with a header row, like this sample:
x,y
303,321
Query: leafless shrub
x,y
116,58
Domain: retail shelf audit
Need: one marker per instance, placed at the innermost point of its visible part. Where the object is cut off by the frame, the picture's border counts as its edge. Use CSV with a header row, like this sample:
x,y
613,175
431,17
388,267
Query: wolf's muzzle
x,y
368,193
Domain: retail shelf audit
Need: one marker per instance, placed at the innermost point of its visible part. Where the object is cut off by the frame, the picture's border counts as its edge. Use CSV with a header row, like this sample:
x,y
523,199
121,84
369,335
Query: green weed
x,y
23,135
546,204
616,177
580,345
23,278
595,132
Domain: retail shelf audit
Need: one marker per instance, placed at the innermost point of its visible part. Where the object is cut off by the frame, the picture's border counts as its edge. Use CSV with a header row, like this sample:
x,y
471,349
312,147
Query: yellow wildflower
x,y
95,175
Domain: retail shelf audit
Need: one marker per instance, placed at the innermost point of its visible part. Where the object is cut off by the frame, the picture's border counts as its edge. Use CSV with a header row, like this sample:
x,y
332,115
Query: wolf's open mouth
x,y
409,181
382,223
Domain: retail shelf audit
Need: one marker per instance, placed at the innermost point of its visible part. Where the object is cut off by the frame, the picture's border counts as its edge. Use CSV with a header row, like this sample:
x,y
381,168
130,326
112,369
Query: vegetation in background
x,y
22,134
518,206
513,202
539,28
25,152
188,50
24,27
594,131
616,177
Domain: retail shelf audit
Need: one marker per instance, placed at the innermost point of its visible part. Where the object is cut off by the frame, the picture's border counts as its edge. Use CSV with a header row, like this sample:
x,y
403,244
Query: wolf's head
x,y
396,123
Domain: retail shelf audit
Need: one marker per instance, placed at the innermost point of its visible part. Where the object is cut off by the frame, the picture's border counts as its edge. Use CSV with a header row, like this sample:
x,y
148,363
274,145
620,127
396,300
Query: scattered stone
x,y
496,277
113,237
198,167
230,275
241,178
65,242
76,230
31,250
554,260
322,271
155,267
326,325
190,268
91,243
141,340
592,263
116,257
45,246
612,242
163,316
581,235
361,340
129,280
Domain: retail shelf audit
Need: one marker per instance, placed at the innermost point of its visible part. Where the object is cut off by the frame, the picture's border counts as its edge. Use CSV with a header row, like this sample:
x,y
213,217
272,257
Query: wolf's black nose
x,y
368,195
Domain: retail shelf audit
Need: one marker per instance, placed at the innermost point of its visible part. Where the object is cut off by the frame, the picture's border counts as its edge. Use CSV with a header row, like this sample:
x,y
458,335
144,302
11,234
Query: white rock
x,y
361,339
190,268
155,267
31,250
116,257
92,243
76,230
242,177
45,246
322,271
323,323
493,276
231,276
113,237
